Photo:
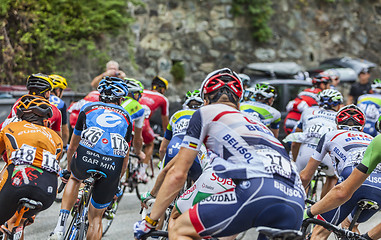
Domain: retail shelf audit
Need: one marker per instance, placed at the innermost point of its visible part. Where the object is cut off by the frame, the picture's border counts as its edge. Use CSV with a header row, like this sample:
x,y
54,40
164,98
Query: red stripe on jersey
x,y
216,118
195,219
321,218
338,135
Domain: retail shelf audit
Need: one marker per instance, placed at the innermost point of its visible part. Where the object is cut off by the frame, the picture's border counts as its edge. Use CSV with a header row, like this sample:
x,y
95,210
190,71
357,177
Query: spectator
x,y
112,70
363,86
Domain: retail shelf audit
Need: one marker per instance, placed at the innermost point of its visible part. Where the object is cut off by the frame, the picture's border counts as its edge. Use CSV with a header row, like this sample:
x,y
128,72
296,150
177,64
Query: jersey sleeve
x,y
195,135
64,114
57,119
372,156
320,150
80,125
2,142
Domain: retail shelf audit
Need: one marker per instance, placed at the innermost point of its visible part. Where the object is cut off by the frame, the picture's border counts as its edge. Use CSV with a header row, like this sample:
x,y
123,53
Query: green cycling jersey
x,y
372,157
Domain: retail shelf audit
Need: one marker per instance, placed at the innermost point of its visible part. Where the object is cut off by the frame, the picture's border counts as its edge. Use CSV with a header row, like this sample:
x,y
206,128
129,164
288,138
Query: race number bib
x,y
91,136
318,130
275,163
118,144
49,162
24,155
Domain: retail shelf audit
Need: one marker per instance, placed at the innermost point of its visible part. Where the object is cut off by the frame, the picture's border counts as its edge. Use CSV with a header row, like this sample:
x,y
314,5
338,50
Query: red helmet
x,y
322,77
350,118
222,78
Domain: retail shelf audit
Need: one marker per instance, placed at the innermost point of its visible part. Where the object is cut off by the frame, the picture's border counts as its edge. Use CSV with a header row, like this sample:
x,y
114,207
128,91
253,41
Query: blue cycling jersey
x,y
371,106
104,128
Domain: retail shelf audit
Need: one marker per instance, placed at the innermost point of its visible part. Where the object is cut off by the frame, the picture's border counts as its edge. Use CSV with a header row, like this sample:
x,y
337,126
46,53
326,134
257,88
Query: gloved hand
x,y
305,215
144,197
142,227
64,174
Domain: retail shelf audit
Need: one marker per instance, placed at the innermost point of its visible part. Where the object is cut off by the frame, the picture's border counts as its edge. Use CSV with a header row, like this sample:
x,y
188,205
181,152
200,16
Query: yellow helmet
x,y
39,83
58,81
159,82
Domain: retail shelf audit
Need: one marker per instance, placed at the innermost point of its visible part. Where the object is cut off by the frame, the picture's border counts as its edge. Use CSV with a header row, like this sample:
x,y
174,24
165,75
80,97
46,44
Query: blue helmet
x,y
112,88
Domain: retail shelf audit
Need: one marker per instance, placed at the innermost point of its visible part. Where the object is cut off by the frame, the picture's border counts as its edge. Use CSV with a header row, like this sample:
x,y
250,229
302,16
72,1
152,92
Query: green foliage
x,y
40,35
178,72
259,13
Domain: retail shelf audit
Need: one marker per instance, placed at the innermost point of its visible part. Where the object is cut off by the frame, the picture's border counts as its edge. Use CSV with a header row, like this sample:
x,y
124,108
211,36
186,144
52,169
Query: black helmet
x,y
33,108
40,83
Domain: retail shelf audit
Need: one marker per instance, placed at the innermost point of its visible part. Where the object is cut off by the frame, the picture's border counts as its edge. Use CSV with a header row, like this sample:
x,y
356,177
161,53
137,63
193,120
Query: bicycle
x,y
110,212
78,226
363,204
278,234
131,180
318,177
16,232
340,233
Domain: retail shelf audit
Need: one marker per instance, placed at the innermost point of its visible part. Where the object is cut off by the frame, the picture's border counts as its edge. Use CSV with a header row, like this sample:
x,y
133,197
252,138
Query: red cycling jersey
x,y
75,107
55,120
306,98
151,101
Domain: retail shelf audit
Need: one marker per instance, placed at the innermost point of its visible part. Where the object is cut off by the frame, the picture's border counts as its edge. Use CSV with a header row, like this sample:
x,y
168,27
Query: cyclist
x,y
75,107
40,85
370,104
267,193
59,85
305,99
136,111
176,129
150,101
33,151
260,101
346,147
97,144
314,123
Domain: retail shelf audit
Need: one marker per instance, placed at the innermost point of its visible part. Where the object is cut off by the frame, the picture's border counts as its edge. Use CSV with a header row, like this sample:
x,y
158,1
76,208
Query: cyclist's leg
x,y
331,178
148,137
182,228
95,223
253,203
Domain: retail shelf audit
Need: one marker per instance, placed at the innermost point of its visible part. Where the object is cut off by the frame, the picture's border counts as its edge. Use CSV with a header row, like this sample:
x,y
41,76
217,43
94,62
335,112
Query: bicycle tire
x,y
137,191
69,229
155,233
107,226
82,230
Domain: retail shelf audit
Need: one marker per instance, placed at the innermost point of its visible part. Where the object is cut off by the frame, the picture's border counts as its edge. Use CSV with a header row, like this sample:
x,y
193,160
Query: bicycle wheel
x,y
72,230
155,234
108,216
82,230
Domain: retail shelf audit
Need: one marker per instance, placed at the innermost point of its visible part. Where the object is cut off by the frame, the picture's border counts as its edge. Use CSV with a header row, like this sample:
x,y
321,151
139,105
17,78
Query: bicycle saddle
x,y
30,203
96,173
274,233
368,204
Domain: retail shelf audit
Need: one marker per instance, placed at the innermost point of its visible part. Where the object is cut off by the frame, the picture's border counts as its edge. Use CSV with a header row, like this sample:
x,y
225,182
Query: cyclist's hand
x,y
64,174
142,227
144,197
119,192
305,216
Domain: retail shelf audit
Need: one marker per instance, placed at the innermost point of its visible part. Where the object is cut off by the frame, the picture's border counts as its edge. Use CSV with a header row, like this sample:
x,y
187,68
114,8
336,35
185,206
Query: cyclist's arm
x,y
74,142
275,132
164,121
163,148
160,178
307,173
173,181
138,142
375,233
125,164
340,193
295,146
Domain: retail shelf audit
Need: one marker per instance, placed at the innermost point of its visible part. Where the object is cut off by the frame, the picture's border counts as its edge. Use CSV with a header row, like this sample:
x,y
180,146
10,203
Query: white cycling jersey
x,y
267,114
239,145
345,148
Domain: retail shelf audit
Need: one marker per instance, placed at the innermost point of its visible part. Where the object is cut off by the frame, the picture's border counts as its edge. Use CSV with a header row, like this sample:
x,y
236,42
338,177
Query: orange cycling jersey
x,y
26,143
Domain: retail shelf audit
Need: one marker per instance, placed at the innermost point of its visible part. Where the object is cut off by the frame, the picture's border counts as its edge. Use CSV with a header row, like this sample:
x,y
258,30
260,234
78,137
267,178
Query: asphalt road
x,y
127,215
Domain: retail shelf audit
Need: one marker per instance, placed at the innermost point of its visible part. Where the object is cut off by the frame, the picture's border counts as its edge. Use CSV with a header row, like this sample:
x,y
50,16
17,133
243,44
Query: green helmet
x,y
134,85
376,86
193,96
264,91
